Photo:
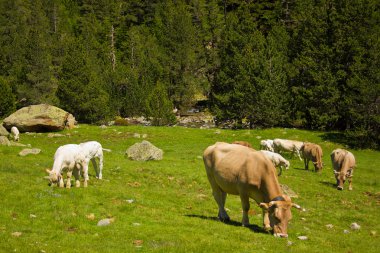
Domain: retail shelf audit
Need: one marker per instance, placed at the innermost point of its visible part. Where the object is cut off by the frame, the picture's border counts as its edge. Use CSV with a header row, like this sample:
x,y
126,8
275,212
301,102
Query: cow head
x,y
279,214
341,178
54,177
318,166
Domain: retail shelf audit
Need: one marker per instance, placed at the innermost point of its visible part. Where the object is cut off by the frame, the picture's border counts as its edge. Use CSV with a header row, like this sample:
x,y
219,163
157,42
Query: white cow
x,y
15,133
70,158
288,146
267,145
92,150
277,160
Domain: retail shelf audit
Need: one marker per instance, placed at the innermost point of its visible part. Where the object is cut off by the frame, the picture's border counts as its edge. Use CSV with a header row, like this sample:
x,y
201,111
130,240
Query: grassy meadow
x,y
167,206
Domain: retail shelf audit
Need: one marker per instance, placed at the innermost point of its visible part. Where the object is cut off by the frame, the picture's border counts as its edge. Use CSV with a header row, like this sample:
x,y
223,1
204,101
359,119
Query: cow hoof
x,y
225,220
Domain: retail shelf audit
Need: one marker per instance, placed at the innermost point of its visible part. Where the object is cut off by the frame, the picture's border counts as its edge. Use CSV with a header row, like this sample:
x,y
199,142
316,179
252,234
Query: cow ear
x,y
264,206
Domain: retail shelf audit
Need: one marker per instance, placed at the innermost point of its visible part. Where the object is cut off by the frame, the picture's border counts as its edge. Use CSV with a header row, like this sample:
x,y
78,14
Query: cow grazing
x,y
70,158
277,160
288,146
343,163
92,150
237,170
267,145
243,143
312,152
15,133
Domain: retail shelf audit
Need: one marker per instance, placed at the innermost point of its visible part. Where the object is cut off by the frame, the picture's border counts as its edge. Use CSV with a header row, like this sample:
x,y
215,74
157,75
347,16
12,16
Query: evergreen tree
x,y
7,100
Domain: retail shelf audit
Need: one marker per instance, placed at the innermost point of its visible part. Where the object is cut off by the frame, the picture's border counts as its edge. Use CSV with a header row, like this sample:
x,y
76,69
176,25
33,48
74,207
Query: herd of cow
x,y
235,169
238,169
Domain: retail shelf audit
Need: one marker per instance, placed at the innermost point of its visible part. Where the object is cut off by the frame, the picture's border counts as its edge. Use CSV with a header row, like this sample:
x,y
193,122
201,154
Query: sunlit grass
x,y
173,209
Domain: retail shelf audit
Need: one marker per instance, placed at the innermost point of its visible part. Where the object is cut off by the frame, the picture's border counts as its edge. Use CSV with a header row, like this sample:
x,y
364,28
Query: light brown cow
x,y
312,152
243,143
343,163
237,170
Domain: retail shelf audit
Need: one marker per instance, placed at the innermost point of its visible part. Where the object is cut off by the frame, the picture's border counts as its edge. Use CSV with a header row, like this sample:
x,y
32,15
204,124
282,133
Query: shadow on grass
x,y
253,227
329,184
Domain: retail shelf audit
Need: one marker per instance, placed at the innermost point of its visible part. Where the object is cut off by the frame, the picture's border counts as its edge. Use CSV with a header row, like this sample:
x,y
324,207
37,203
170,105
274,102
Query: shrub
x,y
7,99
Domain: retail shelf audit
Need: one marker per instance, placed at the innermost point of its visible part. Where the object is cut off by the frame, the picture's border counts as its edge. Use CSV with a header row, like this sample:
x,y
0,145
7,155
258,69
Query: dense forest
x,y
311,64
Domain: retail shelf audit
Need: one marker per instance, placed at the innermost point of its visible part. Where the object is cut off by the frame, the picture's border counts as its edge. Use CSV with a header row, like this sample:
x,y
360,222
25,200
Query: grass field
x,y
173,209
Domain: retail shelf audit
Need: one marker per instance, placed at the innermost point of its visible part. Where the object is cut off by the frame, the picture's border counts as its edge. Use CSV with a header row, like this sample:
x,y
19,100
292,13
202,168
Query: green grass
x,y
173,205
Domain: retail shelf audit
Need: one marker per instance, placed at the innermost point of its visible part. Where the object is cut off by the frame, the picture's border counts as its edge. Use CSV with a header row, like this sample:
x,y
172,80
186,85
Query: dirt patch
x,y
374,196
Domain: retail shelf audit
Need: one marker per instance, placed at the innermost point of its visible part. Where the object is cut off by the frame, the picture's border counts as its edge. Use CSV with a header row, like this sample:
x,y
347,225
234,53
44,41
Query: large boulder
x,y
3,131
40,118
144,151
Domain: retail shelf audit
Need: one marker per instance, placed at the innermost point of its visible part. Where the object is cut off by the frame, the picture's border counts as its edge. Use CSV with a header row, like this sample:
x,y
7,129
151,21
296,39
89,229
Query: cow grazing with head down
x,y
312,152
237,170
288,146
277,160
343,163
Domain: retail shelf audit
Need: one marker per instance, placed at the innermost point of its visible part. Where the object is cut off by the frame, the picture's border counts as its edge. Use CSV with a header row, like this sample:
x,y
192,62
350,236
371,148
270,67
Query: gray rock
x,y
355,226
3,131
144,151
40,118
28,151
104,222
4,141
302,238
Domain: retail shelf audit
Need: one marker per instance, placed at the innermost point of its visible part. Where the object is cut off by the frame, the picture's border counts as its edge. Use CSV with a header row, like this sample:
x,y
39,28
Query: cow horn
x,y
47,177
272,203
264,206
296,206
48,171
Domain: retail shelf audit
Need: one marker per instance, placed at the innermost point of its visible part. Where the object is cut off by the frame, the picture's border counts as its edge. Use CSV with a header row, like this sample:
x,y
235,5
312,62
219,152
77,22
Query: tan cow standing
x,y
312,152
343,163
237,170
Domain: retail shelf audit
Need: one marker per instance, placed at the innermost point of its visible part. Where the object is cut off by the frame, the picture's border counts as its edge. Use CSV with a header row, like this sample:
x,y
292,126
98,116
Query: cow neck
x,y
272,188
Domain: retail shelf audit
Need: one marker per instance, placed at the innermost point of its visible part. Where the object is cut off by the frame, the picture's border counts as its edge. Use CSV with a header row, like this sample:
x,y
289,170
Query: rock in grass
x,y
16,234
144,151
27,151
105,222
329,226
302,237
355,226
346,231
4,141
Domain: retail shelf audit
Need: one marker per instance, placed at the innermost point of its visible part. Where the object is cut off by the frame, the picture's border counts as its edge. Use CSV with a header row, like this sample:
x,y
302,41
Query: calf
x,y
312,152
92,150
15,133
277,160
343,163
288,146
70,158
267,145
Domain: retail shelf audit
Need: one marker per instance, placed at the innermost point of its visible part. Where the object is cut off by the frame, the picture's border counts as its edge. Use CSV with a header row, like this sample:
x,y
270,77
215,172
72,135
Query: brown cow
x,y
312,152
343,163
243,143
237,170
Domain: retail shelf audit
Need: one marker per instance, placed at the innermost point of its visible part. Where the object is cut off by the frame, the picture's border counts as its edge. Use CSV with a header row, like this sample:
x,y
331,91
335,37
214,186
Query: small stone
x,y
16,234
136,224
290,243
355,226
346,231
373,232
329,226
32,216
104,222
303,219
302,237
129,201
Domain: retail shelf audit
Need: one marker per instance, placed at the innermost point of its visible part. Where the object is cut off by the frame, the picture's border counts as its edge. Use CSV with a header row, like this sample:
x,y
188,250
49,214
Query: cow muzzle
x,y
281,235
340,188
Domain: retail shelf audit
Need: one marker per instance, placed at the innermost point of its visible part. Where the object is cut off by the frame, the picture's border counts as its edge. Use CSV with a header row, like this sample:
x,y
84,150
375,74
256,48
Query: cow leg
x,y
298,154
100,166
245,205
76,173
350,183
220,198
93,161
306,162
68,180
280,171
266,221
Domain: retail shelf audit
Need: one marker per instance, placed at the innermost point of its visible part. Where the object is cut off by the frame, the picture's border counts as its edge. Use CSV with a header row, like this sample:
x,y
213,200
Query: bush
x,y
159,107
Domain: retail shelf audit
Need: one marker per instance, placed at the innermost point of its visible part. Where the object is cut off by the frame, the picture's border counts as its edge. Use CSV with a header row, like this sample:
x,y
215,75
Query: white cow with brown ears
x,y
68,158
